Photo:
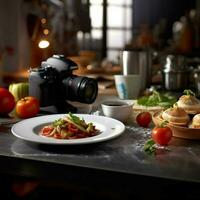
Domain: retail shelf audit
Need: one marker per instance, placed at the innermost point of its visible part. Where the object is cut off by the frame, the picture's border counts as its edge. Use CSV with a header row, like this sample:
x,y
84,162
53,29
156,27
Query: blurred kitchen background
x,y
93,33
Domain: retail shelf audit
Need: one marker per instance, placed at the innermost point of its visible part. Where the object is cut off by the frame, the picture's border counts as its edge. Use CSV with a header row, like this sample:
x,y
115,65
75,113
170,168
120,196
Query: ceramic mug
x,y
128,86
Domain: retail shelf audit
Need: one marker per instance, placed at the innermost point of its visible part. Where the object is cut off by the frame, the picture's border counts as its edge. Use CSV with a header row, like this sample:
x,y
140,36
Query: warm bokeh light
x,y
43,44
46,31
43,20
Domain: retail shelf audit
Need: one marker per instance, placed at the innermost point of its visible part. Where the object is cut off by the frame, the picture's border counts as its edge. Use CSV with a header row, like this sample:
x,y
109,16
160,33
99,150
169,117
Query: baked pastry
x,y
176,116
189,103
195,121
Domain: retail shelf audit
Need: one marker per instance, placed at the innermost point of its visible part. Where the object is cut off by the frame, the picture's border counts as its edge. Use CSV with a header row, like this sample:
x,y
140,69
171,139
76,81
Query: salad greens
x,y
157,99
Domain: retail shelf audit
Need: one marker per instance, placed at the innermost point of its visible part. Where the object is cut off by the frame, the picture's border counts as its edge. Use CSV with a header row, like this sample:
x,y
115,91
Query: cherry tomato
x,y
144,119
27,107
47,130
7,101
72,128
161,135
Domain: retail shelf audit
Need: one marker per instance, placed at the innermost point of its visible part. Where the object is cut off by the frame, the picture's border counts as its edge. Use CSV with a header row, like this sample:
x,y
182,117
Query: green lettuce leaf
x,y
157,99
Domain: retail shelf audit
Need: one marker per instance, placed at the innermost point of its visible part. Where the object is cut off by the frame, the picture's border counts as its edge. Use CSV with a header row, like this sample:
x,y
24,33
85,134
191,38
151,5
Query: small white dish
x,y
118,109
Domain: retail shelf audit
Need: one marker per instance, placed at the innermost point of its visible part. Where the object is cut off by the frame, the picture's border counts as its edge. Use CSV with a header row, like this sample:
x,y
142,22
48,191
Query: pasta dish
x,y
69,127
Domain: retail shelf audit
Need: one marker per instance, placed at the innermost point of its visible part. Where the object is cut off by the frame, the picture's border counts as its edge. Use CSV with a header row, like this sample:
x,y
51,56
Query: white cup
x,y
128,86
118,109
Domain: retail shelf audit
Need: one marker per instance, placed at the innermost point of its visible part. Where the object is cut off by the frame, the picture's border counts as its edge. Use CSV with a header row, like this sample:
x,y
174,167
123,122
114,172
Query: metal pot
x,y
176,80
137,62
176,73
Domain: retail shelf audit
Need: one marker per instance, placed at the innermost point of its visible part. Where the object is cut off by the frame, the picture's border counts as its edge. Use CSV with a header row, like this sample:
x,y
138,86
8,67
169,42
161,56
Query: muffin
x,y
176,116
189,103
195,121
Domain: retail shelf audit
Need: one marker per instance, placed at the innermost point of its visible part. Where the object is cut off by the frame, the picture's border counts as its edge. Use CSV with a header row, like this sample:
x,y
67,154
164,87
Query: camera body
x,y
53,83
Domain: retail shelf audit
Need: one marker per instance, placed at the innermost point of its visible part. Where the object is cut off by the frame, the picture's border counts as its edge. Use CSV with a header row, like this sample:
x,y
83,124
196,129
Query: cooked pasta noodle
x,y
70,127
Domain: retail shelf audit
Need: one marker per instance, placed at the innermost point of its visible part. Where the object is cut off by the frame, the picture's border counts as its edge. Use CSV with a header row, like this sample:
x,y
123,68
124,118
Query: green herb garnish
x,y
74,118
189,92
58,122
149,147
157,99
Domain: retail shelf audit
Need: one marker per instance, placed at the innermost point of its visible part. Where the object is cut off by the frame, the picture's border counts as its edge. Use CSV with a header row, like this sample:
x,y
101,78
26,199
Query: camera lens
x,y
82,89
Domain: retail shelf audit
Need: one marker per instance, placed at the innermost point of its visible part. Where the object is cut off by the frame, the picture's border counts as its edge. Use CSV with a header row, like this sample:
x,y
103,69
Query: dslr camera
x,y
54,84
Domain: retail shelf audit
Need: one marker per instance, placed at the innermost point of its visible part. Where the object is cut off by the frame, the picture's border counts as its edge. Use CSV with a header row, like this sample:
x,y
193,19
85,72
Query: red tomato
x,y
143,119
47,130
7,101
161,135
72,128
27,107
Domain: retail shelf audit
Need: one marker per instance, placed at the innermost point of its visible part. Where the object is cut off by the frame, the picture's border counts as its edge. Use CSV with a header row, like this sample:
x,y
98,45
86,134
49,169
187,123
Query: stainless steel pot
x,y
176,73
176,80
137,62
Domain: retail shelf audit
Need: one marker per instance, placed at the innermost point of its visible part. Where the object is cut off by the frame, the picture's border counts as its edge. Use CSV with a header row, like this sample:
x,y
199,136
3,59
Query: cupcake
x,y
195,121
189,103
176,116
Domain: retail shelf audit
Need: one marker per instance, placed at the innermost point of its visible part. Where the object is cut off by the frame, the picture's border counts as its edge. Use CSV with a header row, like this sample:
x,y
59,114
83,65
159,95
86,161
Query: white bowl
x,y
117,109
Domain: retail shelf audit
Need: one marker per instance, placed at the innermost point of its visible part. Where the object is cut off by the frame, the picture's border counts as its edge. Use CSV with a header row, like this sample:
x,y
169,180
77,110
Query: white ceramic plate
x,y
29,129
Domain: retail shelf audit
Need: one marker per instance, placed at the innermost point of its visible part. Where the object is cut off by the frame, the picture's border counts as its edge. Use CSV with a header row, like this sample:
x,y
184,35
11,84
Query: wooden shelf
x,y
12,77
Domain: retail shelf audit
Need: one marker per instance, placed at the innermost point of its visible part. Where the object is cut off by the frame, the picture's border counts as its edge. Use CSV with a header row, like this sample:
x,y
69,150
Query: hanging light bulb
x,y
43,20
46,31
44,43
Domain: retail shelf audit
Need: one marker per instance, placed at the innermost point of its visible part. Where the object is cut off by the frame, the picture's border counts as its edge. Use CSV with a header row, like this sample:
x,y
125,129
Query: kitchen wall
x,y
162,14
14,37
150,12
14,41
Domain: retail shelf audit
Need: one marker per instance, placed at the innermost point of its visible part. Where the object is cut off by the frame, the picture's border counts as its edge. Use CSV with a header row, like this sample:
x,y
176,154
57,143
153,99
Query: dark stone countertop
x,y
121,158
